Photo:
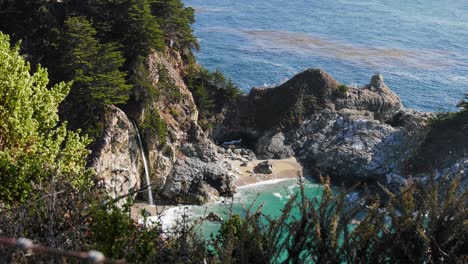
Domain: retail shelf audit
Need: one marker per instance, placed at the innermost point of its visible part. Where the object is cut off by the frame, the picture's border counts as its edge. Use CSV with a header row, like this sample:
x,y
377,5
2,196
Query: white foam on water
x,y
276,194
269,182
169,218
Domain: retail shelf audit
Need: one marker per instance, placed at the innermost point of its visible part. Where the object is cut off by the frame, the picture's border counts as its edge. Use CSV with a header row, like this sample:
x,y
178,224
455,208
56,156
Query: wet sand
x,y
282,169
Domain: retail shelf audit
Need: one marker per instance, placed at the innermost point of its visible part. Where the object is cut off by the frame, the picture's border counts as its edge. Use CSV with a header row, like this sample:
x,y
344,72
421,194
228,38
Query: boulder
x,y
193,181
213,217
265,167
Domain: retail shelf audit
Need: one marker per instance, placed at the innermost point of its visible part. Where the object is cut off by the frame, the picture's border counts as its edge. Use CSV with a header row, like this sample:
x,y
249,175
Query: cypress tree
x,y
94,67
142,33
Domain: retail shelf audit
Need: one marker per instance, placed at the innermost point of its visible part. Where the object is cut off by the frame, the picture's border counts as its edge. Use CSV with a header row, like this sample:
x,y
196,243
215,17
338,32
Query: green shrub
x,y
424,223
342,89
155,125
167,86
211,91
33,144
174,112
118,236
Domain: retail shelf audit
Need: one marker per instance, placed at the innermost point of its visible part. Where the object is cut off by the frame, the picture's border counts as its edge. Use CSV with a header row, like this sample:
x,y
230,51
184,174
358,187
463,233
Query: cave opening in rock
x,y
240,140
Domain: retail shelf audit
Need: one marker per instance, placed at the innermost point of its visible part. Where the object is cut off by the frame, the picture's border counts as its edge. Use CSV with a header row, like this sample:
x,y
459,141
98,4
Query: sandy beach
x,y
282,169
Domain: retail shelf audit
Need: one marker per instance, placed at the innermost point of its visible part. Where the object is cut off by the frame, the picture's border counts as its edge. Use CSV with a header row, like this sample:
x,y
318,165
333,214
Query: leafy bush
x,y
115,234
33,144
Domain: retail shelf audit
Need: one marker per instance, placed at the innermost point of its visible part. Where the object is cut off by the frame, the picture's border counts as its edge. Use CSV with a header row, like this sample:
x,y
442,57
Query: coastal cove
x,y
262,52
221,132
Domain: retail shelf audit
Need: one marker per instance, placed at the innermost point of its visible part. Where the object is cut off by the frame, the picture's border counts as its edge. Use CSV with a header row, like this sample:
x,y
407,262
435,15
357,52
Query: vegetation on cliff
x,y
445,142
212,92
100,45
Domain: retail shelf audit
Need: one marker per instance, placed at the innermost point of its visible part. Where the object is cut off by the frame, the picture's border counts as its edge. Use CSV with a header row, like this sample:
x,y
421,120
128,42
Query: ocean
x,y
419,46
270,195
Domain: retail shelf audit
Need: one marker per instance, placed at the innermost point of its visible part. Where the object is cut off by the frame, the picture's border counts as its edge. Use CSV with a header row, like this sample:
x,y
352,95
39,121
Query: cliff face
x,y
184,165
348,133
117,158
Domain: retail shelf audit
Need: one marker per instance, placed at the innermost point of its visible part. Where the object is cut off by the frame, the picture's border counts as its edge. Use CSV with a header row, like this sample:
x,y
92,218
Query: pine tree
x,y
176,20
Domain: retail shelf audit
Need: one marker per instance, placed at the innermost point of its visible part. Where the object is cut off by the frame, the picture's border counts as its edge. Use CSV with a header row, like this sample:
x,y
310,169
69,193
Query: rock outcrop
x,y
199,176
117,160
184,165
351,134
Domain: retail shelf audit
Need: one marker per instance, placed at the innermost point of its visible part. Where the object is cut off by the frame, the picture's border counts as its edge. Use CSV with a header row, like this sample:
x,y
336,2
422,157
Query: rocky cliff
x,y
116,159
351,134
184,165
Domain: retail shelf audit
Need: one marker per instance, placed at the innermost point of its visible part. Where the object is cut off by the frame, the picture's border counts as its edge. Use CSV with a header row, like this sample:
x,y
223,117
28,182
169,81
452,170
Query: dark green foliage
x,y
211,91
115,234
175,20
155,125
425,223
241,240
37,25
446,141
143,32
181,245
167,86
139,78
93,67
101,46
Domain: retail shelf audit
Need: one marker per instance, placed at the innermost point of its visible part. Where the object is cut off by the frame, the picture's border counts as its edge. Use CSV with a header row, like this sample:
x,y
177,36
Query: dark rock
x,y
198,182
265,167
213,217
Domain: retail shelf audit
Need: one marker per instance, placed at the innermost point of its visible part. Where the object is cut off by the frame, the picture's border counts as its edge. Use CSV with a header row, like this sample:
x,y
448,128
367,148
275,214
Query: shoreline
x,y
283,170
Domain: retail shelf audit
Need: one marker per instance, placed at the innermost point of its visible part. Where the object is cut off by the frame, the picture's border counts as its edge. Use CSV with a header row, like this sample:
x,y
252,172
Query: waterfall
x,y
145,164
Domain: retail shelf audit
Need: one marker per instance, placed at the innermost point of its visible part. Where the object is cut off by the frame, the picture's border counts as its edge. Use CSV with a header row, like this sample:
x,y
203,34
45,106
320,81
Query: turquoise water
x,y
419,46
271,196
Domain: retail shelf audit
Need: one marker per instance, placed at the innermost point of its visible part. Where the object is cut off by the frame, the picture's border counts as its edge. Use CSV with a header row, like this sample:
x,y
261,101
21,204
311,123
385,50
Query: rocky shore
x,y
351,134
